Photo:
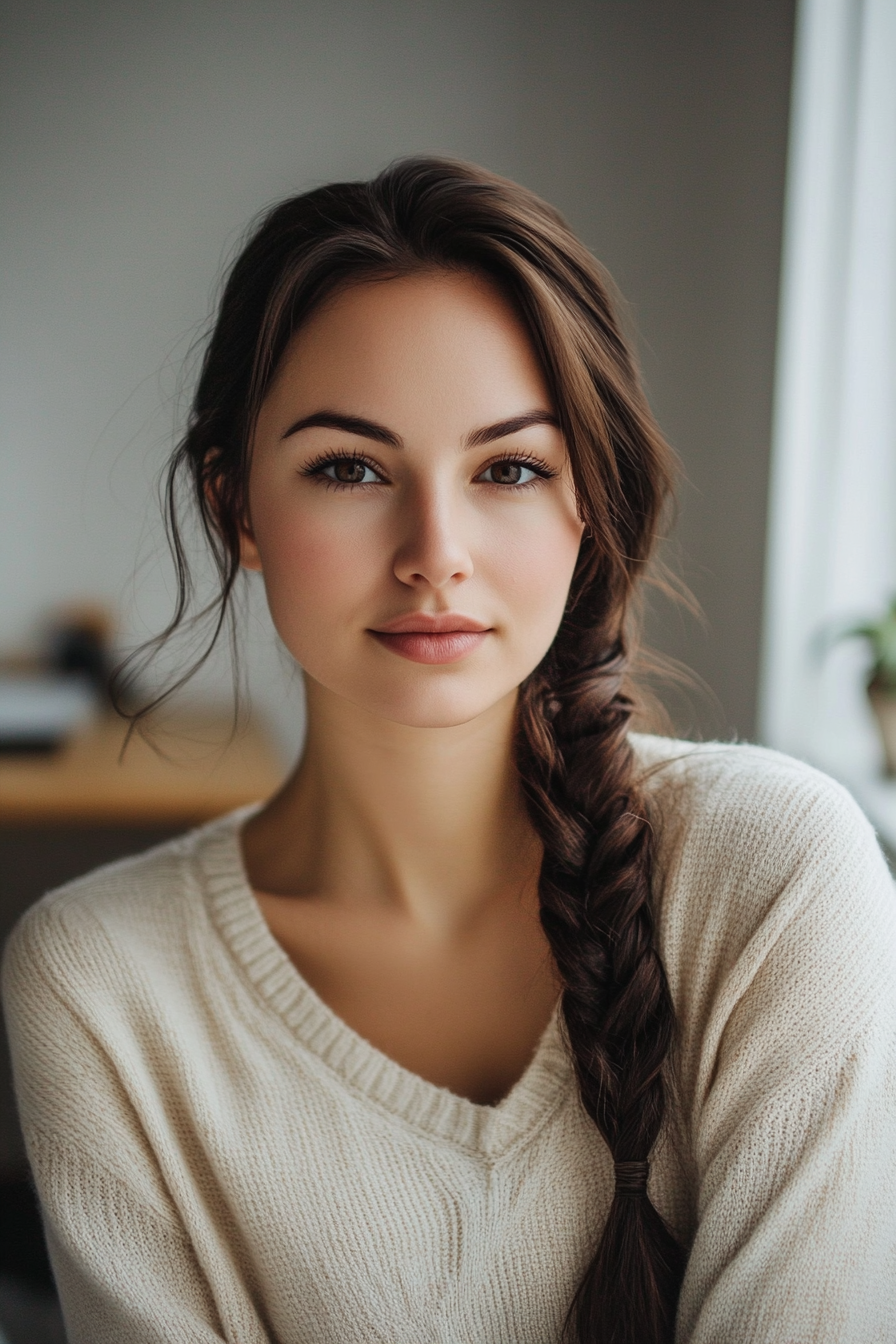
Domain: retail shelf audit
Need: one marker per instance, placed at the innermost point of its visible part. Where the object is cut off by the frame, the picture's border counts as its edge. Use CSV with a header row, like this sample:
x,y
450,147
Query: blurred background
x,y
732,163
141,139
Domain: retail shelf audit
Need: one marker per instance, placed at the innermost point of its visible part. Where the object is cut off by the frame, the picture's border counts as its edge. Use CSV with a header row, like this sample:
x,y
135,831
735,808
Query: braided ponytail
x,y
577,772
572,746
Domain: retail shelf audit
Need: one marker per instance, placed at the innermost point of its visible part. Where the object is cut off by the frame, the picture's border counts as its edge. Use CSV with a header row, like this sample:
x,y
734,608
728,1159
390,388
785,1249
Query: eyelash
x,y
542,470
316,467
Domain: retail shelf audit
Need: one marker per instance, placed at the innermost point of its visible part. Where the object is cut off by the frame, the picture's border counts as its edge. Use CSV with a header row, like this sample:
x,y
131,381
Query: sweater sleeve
x,y
125,1268
123,1272
793,1088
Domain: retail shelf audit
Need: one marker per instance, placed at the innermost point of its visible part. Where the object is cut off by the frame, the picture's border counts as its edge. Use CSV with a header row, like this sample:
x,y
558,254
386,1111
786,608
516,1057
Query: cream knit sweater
x,y
221,1158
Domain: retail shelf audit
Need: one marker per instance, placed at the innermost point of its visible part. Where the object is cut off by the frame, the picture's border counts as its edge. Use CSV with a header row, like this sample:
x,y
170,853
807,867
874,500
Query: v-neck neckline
x,y
490,1131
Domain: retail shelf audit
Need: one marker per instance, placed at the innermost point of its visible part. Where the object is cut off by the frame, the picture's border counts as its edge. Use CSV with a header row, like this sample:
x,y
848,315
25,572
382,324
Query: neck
x,y
429,821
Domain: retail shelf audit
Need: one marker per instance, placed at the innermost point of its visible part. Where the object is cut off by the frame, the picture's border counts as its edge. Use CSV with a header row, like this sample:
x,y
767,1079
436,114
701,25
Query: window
x,y
832,520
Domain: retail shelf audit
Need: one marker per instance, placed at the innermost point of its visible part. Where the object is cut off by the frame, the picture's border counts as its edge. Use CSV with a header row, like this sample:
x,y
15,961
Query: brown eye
x,y
508,473
349,471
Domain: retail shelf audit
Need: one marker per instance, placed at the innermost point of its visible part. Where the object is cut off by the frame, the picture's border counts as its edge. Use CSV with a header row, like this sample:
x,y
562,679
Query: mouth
x,y
421,638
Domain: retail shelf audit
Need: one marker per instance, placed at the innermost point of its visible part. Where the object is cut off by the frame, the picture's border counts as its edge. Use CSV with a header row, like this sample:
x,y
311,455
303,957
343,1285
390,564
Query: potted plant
x,y
880,636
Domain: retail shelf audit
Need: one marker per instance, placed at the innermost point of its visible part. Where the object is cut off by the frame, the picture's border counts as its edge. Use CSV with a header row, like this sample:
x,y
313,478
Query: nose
x,y
433,551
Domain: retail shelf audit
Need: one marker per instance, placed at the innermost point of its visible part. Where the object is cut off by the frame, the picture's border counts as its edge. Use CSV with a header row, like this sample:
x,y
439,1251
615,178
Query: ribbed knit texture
x,y
220,1157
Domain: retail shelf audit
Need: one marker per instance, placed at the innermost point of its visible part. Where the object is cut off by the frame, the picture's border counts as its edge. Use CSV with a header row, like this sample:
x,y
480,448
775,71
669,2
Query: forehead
x,y
405,351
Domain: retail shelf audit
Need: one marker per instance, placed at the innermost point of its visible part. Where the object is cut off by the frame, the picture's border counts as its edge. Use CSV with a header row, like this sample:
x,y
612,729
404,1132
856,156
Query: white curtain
x,y
832,521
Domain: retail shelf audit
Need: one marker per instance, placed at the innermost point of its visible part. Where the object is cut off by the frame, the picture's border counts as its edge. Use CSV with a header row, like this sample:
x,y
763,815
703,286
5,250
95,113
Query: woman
x,y
496,1024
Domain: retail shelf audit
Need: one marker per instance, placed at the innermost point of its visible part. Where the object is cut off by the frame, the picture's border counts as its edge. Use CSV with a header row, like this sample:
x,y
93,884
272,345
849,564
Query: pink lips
x,y
445,638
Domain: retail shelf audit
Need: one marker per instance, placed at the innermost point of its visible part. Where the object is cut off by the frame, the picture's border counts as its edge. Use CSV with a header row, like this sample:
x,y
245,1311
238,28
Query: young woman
x,y
498,1024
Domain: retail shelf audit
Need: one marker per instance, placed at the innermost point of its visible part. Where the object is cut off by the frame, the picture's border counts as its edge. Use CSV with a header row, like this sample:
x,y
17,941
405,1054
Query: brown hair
x,y
572,745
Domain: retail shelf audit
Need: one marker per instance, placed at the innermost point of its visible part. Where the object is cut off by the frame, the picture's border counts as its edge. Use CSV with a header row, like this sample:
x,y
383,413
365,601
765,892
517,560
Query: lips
x,y
422,638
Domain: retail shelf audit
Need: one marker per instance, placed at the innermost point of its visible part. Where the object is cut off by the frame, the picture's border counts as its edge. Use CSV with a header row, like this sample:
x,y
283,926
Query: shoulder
x,y
757,851
715,795
126,921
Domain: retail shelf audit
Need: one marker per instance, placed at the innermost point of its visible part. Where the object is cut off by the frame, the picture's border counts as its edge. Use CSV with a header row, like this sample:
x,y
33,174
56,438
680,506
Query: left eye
x,y
507,473
349,471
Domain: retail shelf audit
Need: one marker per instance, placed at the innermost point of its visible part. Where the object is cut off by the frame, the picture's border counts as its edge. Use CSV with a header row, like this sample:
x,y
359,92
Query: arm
x,y
125,1266
794,1120
124,1273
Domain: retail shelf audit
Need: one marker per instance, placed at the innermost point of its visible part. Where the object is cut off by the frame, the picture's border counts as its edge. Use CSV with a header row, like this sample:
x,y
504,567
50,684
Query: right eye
x,y
348,471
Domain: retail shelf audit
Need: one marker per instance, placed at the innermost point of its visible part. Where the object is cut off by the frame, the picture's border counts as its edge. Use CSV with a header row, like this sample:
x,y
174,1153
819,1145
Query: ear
x,y
249,556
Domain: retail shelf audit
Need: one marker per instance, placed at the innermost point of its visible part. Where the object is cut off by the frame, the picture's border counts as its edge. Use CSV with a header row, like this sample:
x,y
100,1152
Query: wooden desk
x,y
201,774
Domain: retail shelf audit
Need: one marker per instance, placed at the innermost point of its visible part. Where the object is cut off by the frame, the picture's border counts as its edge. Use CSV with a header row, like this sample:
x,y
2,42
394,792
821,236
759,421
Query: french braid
x,y
578,776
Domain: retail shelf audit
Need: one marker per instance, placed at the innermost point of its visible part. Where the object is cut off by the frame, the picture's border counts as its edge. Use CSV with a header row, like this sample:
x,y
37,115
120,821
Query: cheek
x,y
315,568
533,566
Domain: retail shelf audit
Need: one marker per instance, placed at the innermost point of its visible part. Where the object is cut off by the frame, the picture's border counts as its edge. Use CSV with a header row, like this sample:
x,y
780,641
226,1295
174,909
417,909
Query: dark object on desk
x,y
29,746
78,645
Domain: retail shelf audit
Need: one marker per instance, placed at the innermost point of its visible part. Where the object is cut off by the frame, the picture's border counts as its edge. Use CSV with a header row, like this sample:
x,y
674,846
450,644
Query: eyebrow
x,y
350,424
502,428
369,429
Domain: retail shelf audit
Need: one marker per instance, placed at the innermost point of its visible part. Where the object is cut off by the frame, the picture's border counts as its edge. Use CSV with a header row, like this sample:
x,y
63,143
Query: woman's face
x,y
411,503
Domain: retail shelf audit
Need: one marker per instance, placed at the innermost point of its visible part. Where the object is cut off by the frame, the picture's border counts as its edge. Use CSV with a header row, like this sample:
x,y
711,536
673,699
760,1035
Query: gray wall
x,y
140,138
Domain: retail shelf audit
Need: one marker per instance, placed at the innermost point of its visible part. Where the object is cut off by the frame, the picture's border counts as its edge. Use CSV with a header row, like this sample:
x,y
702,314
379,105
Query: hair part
x,y
572,747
